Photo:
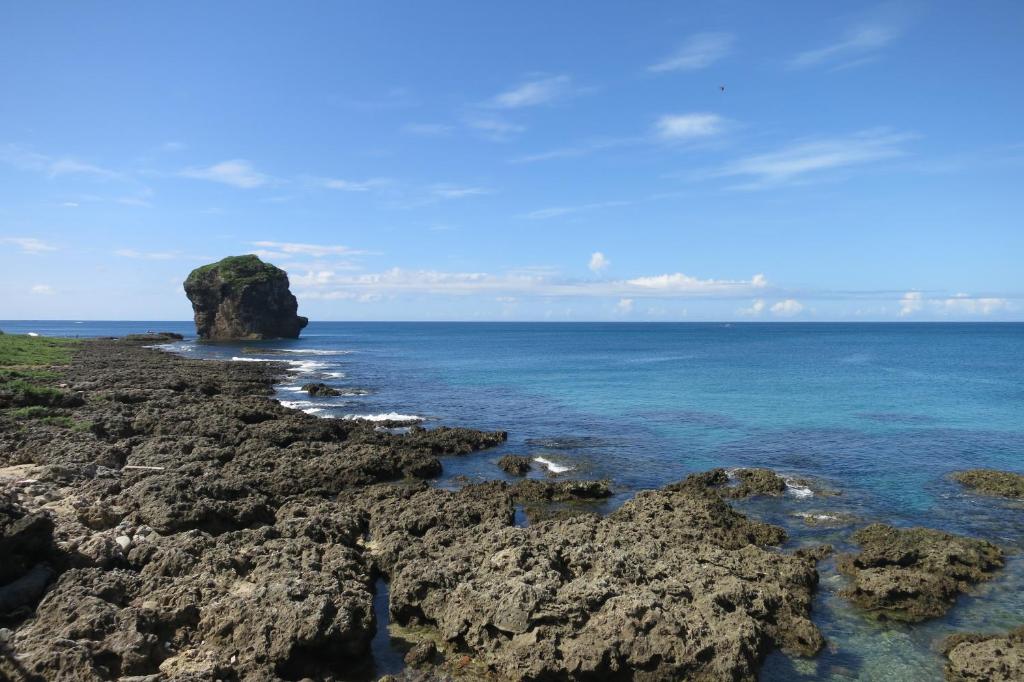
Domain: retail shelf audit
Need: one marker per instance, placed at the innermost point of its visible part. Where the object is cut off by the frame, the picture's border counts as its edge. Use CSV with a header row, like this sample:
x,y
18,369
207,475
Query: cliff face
x,y
241,297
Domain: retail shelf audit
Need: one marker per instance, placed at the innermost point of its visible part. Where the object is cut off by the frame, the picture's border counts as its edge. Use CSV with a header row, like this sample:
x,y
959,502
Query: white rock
x,y
124,541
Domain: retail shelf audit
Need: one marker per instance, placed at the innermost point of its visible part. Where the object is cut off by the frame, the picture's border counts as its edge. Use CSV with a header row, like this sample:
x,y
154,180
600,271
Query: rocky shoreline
x,y
166,519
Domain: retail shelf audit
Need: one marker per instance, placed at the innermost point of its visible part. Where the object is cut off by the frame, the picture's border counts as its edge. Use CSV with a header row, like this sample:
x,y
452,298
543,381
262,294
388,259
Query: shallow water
x,y
879,412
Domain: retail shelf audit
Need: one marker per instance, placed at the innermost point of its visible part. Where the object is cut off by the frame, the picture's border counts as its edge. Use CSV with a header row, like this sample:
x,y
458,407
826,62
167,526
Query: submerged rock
x,y
914,574
988,658
241,297
746,483
517,465
992,482
153,337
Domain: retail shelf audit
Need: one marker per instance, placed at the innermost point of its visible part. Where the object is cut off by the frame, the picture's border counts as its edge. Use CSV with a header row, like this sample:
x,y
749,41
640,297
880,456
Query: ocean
x,y
879,413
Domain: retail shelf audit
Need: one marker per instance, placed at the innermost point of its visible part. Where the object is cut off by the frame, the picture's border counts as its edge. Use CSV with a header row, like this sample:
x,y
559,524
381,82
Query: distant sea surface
x,y
881,413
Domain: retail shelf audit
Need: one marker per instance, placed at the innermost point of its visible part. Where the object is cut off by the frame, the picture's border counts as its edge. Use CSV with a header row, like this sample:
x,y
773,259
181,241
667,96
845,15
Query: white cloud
x,y
61,167
787,308
858,42
525,282
28,244
495,128
271,249
759,281
54,167
236,172
147,255
757,307
42,290
598,262
801,159
624,306
445,191
427,129
676,127
699,51
557,211
533,93
354,185
911,303
964,304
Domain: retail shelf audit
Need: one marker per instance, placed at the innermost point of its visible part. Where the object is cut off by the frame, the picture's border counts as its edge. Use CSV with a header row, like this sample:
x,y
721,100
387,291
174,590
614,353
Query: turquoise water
x,y
878,412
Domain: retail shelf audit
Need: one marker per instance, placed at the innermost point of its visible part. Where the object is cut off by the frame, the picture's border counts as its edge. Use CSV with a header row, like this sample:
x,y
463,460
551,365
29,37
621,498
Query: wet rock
x,y
241,297
992,482
988,658
319,389
672,584
744,483
517,465
914,574
560,491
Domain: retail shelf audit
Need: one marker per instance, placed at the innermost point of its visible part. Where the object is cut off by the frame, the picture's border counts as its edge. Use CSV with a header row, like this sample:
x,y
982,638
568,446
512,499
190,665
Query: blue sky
x,y
533,161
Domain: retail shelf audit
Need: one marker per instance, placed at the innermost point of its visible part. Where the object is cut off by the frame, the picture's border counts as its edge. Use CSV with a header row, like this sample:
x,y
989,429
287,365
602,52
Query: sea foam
x,y
553,467
386,417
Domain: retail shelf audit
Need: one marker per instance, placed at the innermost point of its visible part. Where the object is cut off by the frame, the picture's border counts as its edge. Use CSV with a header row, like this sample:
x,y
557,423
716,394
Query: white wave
x,y
553,467
31,334
238,359
335,375
306,366
290,388
304,405
386,417
798,490
314,351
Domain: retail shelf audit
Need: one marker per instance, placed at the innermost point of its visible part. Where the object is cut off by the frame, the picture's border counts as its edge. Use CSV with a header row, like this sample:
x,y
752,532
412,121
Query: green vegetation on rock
x,y
237,271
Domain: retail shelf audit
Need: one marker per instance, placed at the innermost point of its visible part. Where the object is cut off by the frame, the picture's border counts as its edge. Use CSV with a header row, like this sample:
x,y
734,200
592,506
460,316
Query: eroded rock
x,y
992,482
914,574
985,658
243,298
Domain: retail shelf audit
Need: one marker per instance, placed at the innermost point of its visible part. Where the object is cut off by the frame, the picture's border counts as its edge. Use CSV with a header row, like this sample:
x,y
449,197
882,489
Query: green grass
x,y
17,351
237,271
26,367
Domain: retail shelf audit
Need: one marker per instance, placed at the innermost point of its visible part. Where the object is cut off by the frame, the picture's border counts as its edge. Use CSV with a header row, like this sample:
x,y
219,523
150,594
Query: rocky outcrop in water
x,y
241,297
517,465
914,574
985,658
992,482
318,389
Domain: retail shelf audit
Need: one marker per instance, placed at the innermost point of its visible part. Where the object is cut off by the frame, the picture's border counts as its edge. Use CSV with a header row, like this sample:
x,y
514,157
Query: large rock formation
x,y
241,297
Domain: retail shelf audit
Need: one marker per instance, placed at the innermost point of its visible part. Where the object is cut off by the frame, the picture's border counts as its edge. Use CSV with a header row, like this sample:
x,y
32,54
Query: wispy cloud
x,y
801,159
522,283
428,129
698,52
582,149
598,262
147,255
42,290
683,127
534,92
914,303
354,185
236,172
54,167
857,44
272,249
29,244
446,191
494,128
557,211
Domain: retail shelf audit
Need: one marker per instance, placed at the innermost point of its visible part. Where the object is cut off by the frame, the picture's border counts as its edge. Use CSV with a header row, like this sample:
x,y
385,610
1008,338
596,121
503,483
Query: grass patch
x,y
27,367
17,351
